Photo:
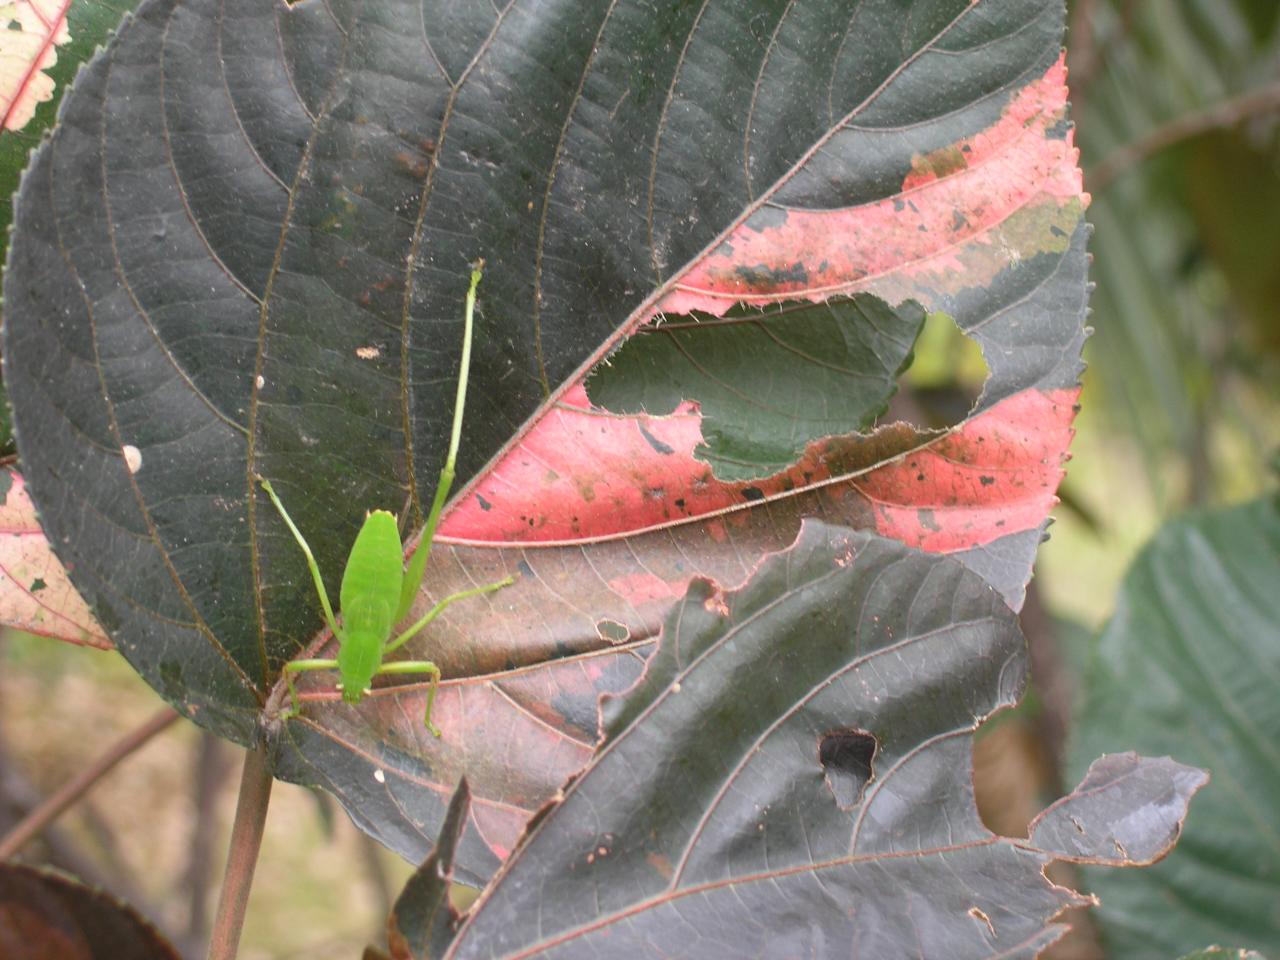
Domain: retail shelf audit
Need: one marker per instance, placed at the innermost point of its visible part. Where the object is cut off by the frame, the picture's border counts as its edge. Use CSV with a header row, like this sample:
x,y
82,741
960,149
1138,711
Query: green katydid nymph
x,y
377,591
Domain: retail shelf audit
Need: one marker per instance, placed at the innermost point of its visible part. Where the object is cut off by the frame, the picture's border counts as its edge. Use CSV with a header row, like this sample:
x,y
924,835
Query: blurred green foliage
x,y
1175,103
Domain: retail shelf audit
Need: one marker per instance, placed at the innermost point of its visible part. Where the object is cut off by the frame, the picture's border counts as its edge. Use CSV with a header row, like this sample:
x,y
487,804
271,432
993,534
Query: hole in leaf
x,y
945,355
846,757
768,380
611,631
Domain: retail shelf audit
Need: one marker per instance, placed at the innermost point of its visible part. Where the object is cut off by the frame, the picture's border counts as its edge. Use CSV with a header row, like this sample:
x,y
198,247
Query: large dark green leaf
x,y
1190,664
244,252
833,813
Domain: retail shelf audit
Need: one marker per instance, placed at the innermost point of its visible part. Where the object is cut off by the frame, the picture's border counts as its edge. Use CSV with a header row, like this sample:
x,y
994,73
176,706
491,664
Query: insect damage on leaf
x,y
767,380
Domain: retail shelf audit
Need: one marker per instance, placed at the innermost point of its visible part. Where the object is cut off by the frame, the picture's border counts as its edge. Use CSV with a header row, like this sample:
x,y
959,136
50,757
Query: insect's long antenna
x,y
418,564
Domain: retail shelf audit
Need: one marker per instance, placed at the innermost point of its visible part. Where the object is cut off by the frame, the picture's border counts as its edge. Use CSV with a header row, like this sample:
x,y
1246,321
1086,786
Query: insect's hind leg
x,y
418,666
439,608
301,666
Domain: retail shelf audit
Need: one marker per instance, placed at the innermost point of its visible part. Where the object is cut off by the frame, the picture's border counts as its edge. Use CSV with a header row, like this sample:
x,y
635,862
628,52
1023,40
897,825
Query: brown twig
x,y
1228,113
18,797
58,802
242,857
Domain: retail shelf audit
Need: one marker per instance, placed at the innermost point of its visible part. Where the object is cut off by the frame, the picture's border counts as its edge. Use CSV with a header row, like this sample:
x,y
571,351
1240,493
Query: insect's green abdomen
x,y
375,567
359,657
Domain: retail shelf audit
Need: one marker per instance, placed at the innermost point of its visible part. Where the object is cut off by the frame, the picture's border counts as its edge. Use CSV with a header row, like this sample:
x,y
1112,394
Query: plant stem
x,y
57,803
1228,113
242,857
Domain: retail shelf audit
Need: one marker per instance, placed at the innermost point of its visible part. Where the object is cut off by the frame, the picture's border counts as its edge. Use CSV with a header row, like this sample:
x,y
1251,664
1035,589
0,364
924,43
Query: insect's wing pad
x,y
375,567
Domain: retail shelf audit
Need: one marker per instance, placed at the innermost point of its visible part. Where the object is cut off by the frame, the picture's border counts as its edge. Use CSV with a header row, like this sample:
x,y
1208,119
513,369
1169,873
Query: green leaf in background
x,y
1183,251
1224,953
768,380
42,45
1190,665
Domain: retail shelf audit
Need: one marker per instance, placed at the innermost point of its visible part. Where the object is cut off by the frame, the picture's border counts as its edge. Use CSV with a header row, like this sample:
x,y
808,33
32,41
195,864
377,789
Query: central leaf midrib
x,y
255,389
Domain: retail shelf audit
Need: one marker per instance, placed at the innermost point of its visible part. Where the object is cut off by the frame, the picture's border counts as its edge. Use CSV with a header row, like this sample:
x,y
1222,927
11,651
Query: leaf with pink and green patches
x,y
35,592
247,257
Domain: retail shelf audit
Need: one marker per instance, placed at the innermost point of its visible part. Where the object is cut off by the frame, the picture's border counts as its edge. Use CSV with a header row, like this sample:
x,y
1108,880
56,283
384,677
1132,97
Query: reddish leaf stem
x,y
242,857
1228,113
70,792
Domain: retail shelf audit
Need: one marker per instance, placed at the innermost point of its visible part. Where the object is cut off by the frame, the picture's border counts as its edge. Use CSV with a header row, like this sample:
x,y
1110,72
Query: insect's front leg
x,y
301,666
418,666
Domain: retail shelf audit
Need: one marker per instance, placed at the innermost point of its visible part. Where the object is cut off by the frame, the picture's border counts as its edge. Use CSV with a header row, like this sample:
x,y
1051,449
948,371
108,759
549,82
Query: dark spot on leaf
x,y
679,503
846,757
928,520
920,477
765,277
725,249
753,493
38,584
171,678
986,481
611,631
898,205
1059,130
524,568
1057,231
106,615
958,220
766,218
658,445
484,504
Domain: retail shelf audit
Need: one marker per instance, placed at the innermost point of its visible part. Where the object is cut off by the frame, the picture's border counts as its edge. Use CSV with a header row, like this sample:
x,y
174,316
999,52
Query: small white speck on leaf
x,y
368,353
262,381
379,776
132,457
